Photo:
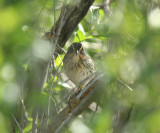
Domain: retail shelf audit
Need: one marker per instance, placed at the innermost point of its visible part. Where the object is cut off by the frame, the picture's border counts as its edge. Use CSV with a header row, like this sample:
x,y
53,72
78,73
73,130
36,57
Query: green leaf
x,y
101,15
27,128
25,66
79,36
44,93
30,119
46,84
89,37
57,88
102,38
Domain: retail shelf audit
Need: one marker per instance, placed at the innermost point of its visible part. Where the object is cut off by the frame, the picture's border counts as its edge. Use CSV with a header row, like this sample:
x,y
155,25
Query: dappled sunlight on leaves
x,y
124,45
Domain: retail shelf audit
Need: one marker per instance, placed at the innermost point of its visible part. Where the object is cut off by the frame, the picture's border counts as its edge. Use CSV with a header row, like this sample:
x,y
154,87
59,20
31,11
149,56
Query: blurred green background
x,y
125,45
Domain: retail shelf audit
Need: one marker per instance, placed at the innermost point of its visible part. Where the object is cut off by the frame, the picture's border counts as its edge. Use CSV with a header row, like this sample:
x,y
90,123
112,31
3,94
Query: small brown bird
x,y
78,65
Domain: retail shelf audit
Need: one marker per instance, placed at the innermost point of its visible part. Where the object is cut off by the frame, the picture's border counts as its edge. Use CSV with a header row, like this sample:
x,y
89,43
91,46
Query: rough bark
x,y
76,105
70,17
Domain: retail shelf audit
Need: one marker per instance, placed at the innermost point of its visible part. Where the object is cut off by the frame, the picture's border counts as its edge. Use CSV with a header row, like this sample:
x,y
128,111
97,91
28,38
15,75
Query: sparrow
x,y
78,65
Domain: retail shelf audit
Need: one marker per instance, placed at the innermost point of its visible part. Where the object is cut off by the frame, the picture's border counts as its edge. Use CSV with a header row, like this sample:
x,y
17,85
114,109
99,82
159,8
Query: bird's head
x,y
76,52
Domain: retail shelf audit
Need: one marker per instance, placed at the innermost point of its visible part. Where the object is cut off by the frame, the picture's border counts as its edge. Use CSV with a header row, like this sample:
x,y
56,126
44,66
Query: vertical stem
x,y
35,120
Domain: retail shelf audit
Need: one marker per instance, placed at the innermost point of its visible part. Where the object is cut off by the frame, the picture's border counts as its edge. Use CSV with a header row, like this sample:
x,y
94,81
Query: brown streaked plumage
x,y
78,65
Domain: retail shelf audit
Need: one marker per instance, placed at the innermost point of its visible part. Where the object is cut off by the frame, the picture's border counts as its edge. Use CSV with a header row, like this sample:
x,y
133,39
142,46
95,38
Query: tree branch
x,y
76,105
71,17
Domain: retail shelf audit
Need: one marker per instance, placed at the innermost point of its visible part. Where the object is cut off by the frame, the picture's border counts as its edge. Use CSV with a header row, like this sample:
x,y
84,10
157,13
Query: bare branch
x,y
76,105
49,98
94,111
125,85
121,119
20,129
35,120
24,108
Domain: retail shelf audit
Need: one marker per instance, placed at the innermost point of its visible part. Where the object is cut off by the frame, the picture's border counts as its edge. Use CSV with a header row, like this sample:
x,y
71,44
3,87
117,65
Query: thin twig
x,y
24,108
61,48
36,20
60,58
121,119
42,8
125,85
55,103
35,120
94,111
49,97
46,76
14,118
41,121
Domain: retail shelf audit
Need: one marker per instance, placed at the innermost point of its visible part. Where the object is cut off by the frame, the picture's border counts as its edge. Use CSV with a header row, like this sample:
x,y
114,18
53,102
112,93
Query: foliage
x,y
125,46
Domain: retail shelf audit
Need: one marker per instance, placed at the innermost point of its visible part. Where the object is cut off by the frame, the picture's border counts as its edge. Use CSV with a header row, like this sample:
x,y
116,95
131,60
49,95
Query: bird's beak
x,y
77,52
